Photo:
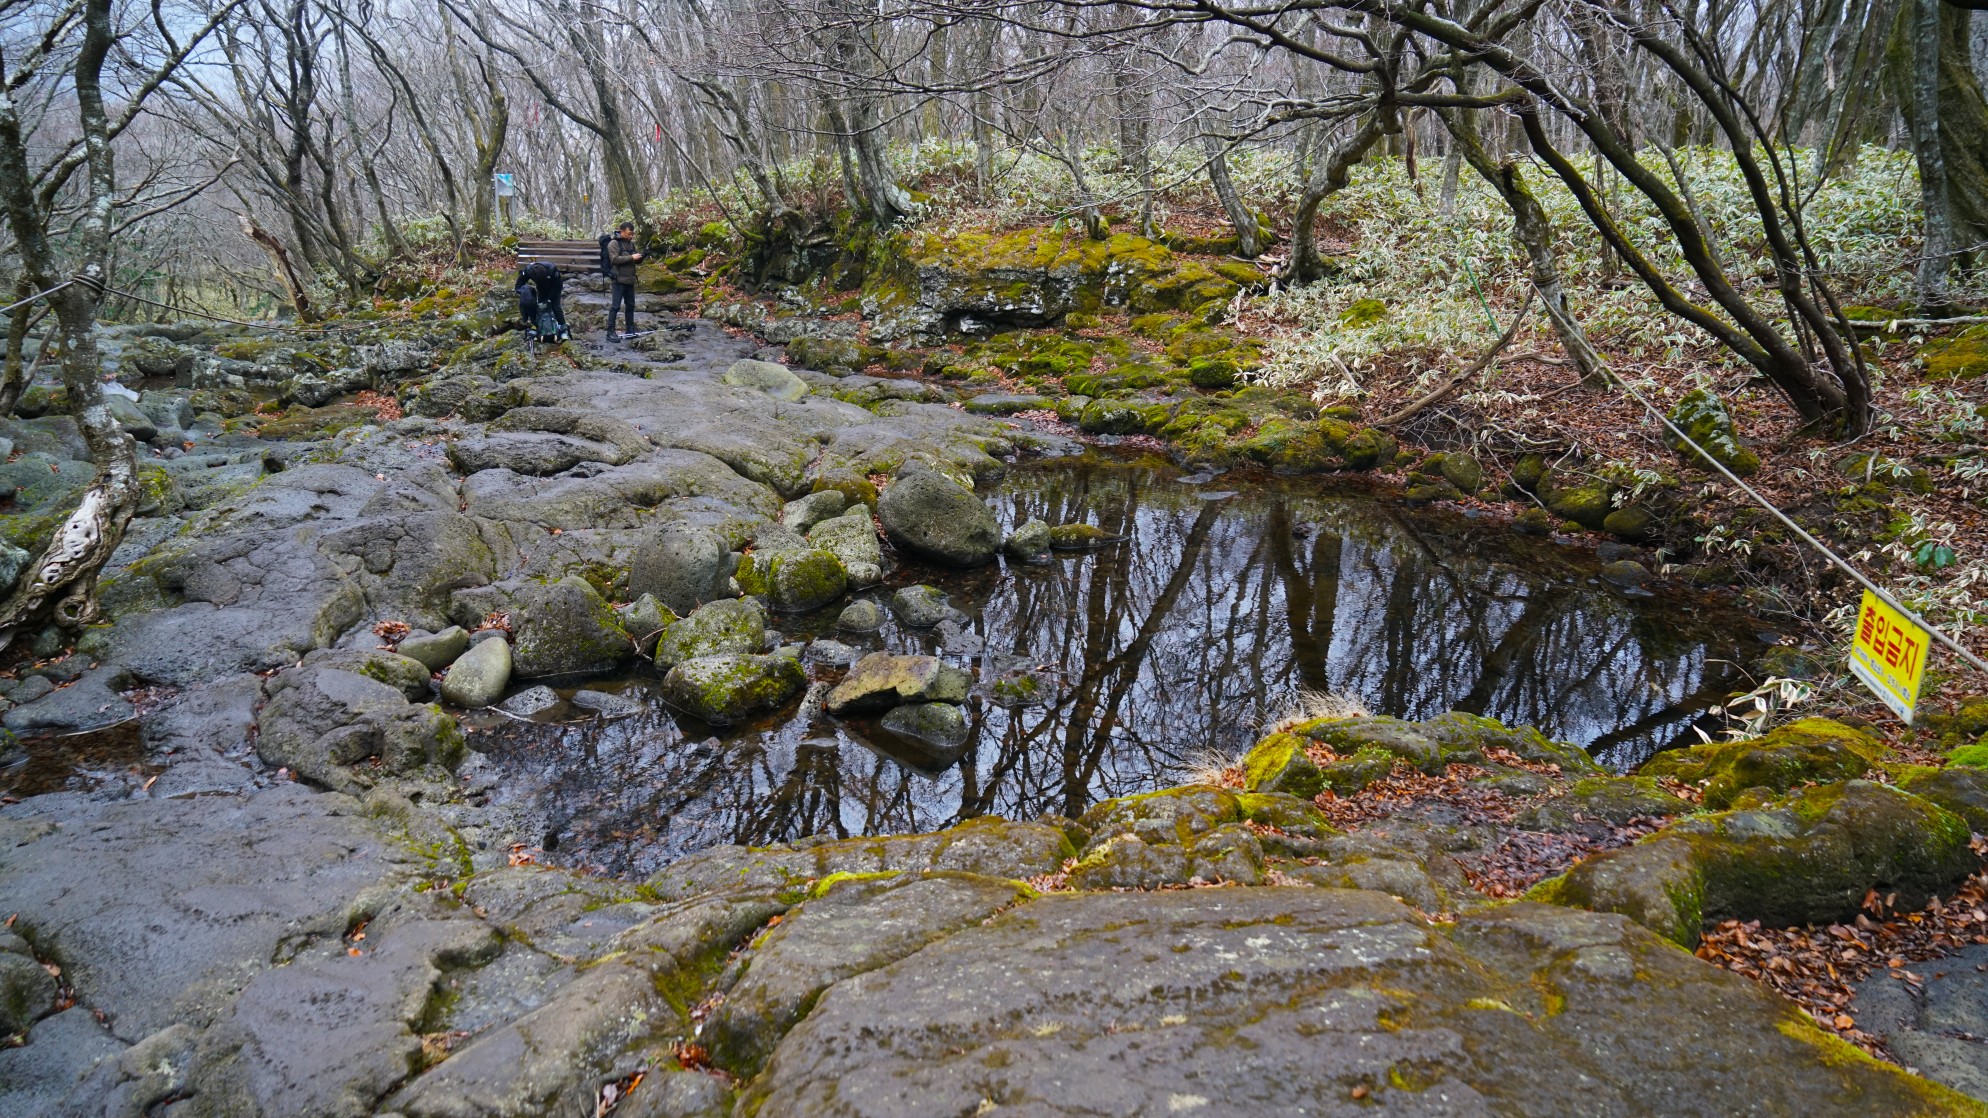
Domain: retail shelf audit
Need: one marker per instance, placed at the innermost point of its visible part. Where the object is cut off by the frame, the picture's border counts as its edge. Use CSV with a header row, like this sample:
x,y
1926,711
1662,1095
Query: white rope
x,y
1842,563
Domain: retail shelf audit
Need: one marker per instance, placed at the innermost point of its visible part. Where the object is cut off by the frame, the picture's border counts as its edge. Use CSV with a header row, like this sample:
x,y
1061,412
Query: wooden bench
x,y
567,256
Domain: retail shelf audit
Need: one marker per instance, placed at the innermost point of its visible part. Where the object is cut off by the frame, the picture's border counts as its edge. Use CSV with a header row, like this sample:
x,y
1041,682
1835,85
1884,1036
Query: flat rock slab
x,y
1277,1001
163,909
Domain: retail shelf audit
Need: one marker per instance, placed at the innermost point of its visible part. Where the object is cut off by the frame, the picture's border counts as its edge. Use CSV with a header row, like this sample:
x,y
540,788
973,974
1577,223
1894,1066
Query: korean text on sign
x,y
1889,655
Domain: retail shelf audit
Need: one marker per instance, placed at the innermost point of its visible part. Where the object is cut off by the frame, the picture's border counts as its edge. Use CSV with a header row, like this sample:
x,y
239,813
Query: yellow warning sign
x,y
1889,655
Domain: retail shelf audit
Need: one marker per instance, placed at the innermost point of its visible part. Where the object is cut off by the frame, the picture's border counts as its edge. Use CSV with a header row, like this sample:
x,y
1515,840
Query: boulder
x,y
320,722
804,513
774,380
1701,414
532,701
882,680
606,703
734,626
1811,749
566,628
858,926
727,688
922,607
1605,800
1029,542
645,620
935,517
90,703
682,566
861,616
436,651
131,417
1809,859
1626,573
940,727
798,581
1079,537
478,677
852,538
13,561
1278,764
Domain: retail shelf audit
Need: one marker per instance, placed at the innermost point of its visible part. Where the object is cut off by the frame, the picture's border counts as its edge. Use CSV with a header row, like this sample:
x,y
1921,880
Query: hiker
x,y
539,286
622,258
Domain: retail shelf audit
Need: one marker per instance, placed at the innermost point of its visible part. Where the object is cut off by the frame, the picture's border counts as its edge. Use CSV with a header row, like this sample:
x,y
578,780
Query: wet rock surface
x,y
296,883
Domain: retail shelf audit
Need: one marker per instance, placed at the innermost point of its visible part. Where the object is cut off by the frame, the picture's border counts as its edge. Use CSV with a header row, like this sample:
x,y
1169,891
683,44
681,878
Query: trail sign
x,y
1889,655
506,185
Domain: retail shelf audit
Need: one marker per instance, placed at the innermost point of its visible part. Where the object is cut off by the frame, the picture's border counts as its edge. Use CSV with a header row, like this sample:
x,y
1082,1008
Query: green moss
x,y
1279,763
1701,414
821,888
1812,749
1974,756
1363,312
1963,355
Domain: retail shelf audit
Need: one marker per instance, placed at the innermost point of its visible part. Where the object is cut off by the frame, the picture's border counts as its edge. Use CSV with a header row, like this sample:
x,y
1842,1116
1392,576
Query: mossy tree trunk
x,y
1240,217
1329,174
1534,233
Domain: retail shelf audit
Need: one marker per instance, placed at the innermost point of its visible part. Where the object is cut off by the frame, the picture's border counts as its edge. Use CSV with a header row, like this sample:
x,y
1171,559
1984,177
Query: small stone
x,y
1534,522
861,616
803,514
478,676
606,704
799,581
882,680
1029,542
941,726
1077,537
774,380
646,619
1630,522
436,650
531,701
833,654
921,607
1626,573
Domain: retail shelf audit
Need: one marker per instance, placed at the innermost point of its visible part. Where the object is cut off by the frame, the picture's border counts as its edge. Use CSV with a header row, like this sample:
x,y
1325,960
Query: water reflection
x,y
1151,655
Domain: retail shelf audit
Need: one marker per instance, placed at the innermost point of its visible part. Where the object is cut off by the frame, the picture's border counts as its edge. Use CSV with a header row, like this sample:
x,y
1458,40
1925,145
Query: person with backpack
x,y
539,288
621,261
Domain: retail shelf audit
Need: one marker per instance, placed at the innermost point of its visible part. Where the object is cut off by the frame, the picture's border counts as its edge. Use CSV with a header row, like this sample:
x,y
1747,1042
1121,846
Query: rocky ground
x,y
287,893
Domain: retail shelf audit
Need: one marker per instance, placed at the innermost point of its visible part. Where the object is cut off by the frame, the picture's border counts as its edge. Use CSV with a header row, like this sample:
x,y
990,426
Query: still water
x,y
1144,660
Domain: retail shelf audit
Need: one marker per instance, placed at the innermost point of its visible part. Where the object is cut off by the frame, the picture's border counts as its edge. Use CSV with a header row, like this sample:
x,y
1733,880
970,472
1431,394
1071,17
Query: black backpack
x,y
607,262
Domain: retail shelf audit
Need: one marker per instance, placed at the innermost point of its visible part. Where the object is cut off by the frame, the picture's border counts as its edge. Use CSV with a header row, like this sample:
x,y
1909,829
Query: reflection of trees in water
x,y
1184,639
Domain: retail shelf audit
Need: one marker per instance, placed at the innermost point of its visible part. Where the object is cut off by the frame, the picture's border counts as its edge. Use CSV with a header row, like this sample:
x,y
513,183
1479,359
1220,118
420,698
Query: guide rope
x,y
1841,563
38,295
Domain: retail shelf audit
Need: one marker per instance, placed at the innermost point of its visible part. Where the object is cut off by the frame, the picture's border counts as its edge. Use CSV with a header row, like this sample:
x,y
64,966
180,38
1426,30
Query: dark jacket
x,y
544,278
621,254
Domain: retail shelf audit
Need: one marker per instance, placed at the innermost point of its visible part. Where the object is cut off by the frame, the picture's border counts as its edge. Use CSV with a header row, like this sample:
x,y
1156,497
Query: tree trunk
x,y
1329,174
1534,233
1922,110
286,271
1232,203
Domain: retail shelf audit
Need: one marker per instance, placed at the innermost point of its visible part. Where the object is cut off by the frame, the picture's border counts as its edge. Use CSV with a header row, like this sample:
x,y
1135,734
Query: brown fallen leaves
x,y
379,403
1818,967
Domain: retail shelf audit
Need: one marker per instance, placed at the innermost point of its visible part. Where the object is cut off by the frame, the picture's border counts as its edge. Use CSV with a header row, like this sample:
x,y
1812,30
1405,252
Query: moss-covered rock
x,y
1405,740
1079,537
1702,416
1810,750
1587,505
1459,734
1278,763
564,628
1809,859
883,680
1366,765
1963,355
728,626
798,581
727,688
1607,800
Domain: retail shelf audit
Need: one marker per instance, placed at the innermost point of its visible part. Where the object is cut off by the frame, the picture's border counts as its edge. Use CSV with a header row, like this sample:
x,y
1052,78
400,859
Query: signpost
x,y
1889,655
506,187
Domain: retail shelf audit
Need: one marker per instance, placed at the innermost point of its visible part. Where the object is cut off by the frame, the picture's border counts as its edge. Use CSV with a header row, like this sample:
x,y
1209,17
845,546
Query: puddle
x,y
1127,667
75,762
